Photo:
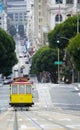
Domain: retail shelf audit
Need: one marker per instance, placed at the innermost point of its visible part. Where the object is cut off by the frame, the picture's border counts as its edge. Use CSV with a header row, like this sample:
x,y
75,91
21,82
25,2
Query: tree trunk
x,y
78,76
54,77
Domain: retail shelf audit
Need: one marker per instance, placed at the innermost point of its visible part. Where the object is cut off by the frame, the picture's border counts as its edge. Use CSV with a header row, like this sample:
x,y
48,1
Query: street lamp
x,y
58,42
59,62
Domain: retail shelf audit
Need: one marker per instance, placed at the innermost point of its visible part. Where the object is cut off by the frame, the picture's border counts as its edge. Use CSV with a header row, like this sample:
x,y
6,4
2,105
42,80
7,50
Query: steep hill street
x,y
57,107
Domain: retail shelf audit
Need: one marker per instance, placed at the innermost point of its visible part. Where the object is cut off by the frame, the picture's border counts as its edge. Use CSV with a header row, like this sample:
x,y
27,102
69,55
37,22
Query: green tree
x,y
7,53
67,29
12,30
44,60
74,50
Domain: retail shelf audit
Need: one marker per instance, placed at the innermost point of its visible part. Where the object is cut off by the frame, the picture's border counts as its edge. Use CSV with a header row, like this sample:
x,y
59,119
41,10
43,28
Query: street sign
x,y
58,62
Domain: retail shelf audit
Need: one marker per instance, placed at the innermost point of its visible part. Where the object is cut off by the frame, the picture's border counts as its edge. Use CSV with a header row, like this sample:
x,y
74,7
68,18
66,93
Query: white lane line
x,y
65,119
23,127
77,90
73,126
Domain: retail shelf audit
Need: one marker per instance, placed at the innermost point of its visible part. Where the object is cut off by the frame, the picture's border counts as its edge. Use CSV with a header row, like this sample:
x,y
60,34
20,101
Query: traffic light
x,y
58,38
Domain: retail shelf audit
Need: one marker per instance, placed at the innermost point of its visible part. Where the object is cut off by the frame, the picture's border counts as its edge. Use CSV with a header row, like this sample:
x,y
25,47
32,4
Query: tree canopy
x,y
74,50
7,53
44,60
45,57
66,30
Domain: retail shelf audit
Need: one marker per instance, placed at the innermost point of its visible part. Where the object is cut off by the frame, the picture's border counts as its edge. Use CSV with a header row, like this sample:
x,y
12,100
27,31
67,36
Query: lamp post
x,y
58,67
58,42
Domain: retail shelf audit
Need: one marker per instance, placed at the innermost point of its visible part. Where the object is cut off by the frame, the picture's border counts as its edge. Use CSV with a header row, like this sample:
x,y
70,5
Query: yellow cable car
x,y
21,93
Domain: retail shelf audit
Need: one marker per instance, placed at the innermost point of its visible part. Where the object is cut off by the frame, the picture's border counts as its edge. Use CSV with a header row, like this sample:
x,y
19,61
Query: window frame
x,y
59,1
16,86
28,89
58,18
23,88
69,1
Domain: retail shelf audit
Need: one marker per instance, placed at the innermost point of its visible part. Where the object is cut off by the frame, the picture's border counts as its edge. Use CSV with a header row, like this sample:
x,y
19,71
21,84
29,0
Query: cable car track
x,y
39,126
32,121
7,120
20,120
15,126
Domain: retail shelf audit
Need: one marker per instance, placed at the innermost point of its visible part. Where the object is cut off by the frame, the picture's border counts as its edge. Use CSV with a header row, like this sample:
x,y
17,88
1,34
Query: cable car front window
x,y
21,89
28,89
14,89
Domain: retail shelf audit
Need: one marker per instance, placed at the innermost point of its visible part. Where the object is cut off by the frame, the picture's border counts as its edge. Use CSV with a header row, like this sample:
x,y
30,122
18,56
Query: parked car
x,y
8,77
7,81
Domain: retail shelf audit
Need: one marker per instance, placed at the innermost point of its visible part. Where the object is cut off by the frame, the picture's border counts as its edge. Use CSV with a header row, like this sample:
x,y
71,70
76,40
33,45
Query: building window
x,y
59,1
69,1
78,1
21,19
21,14
16,19
68,15
58,18
16,14
11,16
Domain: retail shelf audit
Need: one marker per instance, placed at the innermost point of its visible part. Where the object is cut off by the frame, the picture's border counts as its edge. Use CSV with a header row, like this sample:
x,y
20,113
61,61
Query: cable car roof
x,y
21,80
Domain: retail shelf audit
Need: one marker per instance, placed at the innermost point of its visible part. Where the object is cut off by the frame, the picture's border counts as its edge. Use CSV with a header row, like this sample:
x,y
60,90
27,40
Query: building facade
x,y
46,14
64,8
3,17
17,13
3,20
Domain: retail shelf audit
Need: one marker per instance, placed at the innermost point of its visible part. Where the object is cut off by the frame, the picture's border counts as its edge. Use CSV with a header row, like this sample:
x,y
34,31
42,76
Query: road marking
x,y
23,127
19,119
79,94
3,115
43,93
51,126
77,90
65,119
73,126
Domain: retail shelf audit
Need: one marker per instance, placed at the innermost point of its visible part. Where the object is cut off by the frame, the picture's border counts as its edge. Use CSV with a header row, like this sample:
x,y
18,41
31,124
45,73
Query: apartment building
x,y
3,17
3,20
46,16
64,8
17,13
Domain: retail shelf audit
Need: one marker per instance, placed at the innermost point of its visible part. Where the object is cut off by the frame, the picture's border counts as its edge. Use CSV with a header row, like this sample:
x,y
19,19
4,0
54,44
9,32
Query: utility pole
x,y
58,42
59,16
